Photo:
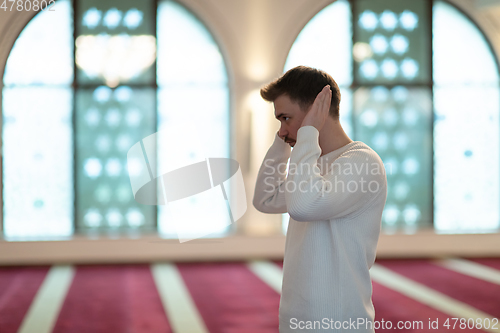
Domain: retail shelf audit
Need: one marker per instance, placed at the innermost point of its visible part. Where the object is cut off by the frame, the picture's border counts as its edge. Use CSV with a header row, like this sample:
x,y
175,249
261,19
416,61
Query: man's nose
x,y
282,133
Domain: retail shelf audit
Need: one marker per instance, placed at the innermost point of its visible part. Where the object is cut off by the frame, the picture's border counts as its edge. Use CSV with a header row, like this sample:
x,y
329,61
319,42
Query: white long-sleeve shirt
x,y
335,203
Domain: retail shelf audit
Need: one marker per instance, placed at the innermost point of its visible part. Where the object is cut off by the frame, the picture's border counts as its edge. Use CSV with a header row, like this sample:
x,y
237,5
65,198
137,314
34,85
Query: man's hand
x,y
317,114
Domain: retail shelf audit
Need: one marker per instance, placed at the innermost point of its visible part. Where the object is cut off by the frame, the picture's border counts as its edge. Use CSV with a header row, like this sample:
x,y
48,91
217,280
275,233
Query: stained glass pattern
x,y
466,127
466,183
37,163
43,52
392,40
457,41
36,132
396,124
108,123
115,44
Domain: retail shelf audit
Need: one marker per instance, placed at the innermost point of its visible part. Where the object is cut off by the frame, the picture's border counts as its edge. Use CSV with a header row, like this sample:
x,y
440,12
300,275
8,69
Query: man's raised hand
x,y
318,112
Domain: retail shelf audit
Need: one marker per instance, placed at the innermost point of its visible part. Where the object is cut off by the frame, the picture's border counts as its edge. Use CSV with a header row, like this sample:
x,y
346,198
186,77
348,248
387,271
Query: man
x,y
334,192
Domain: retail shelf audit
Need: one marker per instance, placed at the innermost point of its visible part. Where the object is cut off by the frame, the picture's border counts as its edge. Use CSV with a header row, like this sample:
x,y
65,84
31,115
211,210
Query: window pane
x,y
392,41
187,53
345,111
466,143
115,42
316,46
189,133
396,123
38,165
43,52
466,135
193,108
457,41
108,123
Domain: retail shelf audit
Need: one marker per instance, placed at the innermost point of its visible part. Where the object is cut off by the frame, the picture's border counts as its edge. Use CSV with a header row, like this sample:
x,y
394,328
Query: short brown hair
x,y
302,84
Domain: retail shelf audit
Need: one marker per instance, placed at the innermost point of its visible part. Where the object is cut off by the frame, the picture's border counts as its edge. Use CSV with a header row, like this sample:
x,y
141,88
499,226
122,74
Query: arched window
x,y
466,126
83,85
395,62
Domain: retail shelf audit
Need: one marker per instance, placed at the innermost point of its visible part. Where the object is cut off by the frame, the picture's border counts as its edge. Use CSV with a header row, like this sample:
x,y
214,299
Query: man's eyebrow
x,y
280,115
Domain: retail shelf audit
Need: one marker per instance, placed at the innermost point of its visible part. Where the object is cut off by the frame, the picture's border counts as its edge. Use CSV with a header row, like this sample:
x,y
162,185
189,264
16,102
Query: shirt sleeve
x,y
346,187
269,196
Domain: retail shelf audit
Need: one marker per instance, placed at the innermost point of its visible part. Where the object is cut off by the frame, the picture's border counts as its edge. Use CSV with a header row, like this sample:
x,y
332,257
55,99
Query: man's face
x,y
290,116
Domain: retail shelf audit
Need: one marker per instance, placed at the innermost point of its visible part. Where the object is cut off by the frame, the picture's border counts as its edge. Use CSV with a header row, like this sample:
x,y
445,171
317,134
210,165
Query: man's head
x,y
294,93
302,84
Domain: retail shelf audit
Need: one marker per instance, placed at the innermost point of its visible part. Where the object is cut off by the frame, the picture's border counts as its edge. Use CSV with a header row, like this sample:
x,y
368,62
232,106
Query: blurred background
x,y
85,80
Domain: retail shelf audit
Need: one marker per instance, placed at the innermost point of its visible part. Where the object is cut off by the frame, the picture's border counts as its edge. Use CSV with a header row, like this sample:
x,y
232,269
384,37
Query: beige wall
x,y
255,37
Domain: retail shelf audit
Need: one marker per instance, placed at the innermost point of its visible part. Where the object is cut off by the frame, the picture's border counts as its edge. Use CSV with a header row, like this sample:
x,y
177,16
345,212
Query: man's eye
x,y
286,118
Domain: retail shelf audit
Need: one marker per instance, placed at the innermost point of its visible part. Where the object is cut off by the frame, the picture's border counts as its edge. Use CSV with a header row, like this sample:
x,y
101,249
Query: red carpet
x,y
112,299
491,262
18,287
480,294
229,297
394,307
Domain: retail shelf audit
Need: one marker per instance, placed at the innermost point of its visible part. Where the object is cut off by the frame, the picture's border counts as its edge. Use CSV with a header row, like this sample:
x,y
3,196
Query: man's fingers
x,y
323,99
327,98
319,97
